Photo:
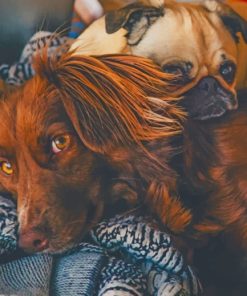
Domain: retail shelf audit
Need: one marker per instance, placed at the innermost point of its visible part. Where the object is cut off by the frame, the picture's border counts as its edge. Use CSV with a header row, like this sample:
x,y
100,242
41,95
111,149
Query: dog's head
x,y
197,42
60,133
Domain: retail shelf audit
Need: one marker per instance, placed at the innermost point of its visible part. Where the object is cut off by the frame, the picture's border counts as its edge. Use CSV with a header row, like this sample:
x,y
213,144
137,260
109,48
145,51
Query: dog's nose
x,y
208,84
33,241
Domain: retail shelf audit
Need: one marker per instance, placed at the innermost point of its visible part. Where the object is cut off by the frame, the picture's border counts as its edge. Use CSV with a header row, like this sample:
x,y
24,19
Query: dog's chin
x,y
212,111
208,99
209,107
58,244
59,247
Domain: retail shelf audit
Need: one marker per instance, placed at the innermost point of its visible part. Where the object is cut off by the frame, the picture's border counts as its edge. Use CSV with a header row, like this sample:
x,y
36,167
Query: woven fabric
x,y
122,278
21,71
137,239
8,222
28,276
78,272
130,256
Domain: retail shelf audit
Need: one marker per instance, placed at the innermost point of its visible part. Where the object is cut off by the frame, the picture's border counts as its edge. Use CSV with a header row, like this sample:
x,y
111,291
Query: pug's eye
x,y
173,69
181,70
60,143
228,71
6,167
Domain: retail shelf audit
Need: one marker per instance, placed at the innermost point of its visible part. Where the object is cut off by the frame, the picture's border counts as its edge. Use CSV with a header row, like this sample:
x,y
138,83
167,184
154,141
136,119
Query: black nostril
x,y
40,244
33,241
37,243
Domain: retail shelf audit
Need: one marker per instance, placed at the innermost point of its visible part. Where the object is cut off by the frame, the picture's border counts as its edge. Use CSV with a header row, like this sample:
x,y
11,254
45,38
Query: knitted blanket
x,y
22,70
126,255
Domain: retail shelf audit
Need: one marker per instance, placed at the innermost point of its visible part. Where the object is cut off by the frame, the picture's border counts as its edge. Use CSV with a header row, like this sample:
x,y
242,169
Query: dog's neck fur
x,y
212,178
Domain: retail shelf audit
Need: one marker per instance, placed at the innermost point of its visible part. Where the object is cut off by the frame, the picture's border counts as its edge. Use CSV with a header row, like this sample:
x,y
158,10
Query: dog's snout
x,y
209,99
33,241
208,84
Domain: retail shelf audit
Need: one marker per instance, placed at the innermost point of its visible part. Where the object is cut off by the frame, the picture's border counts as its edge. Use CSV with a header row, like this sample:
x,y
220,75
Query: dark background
x,y
20,19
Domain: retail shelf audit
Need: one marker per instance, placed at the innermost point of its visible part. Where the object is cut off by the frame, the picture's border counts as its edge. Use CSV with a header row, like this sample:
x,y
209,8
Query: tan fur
x,y
95,40
187,31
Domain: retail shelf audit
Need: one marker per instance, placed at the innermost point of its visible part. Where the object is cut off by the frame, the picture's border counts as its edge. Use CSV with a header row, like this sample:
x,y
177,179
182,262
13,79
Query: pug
x,y
198,42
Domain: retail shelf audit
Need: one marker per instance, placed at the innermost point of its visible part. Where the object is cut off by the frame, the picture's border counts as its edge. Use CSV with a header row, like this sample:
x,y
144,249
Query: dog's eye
x,y
60,143
228,71
181,70
6,167
172,69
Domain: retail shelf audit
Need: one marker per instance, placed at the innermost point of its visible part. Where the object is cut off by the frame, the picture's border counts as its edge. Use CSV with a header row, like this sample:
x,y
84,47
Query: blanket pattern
x,y
146,246
23,70
125,255
8,230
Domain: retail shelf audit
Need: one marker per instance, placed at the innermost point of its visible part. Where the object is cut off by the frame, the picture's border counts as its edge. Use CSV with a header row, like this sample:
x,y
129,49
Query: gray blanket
x,y
125,255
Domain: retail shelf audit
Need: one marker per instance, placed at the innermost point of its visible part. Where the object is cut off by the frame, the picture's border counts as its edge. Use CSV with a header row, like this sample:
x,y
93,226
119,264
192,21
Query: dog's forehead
x,y
7,119
30,110
186,32
39,102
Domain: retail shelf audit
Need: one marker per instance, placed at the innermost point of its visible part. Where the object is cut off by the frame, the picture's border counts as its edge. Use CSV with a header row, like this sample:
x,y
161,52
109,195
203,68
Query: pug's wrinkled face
x,y
195,46
196,42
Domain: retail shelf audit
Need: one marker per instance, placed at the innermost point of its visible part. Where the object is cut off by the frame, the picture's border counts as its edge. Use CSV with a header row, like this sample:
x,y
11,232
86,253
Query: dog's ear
x,y
113,100
135,18
232,20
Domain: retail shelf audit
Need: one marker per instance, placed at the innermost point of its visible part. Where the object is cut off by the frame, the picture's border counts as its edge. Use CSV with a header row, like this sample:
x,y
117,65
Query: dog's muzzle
x,y
208,99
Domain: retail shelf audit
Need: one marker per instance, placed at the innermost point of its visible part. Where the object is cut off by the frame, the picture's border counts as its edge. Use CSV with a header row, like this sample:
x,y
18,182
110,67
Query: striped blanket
x,y
125,255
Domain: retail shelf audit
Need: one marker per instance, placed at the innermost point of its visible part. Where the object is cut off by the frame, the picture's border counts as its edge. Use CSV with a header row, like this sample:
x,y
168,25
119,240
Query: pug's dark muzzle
x,y
208,99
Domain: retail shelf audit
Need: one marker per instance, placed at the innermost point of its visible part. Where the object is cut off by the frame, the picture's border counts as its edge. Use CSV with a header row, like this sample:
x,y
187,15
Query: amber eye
x,y
6,167
60,143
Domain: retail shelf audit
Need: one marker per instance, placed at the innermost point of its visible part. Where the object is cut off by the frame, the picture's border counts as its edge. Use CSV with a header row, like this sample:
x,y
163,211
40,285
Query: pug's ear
x,y
135,18
232,20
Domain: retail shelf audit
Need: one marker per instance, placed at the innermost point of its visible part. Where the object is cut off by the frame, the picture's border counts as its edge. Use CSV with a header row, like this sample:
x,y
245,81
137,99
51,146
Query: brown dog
x,y
72,145
196,41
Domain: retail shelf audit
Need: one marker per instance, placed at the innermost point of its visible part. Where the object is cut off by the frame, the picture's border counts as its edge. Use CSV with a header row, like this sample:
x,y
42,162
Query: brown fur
x,y
214,166
213,184
120,127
